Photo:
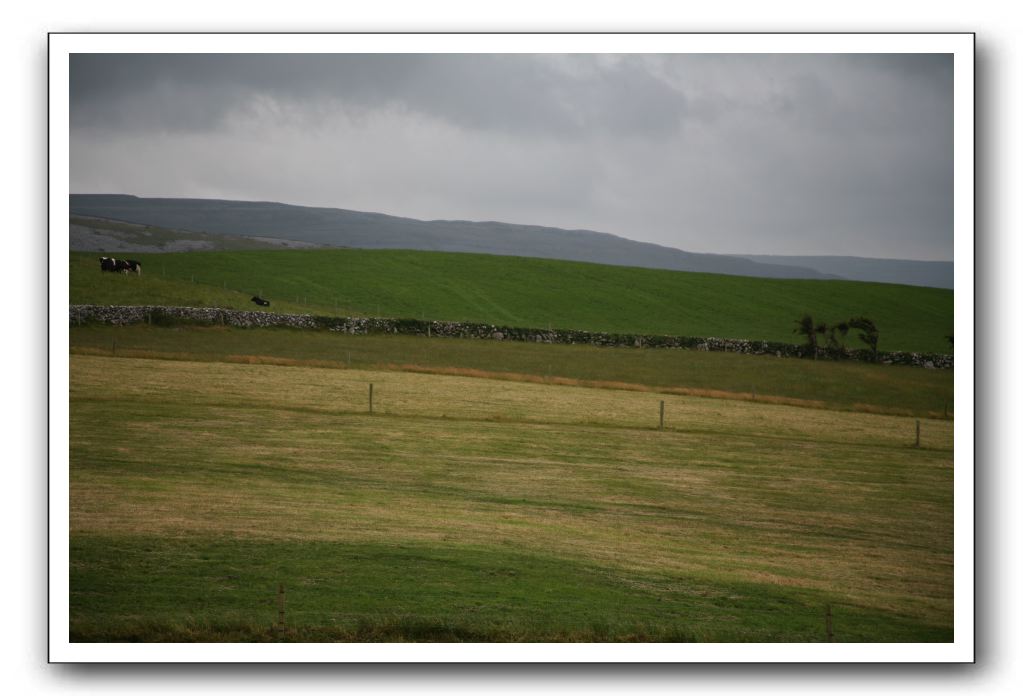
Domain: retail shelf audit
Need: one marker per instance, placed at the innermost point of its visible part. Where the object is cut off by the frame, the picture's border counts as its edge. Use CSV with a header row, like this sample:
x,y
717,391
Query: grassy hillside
x,y
522,292
835,385
468,509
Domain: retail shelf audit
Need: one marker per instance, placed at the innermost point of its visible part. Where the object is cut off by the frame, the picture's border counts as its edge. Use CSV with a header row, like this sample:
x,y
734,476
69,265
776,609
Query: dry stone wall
x,y
122,315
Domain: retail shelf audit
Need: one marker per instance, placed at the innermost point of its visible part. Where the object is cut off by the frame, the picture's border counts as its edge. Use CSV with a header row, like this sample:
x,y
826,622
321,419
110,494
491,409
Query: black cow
x,y
260,301
107,264
133,266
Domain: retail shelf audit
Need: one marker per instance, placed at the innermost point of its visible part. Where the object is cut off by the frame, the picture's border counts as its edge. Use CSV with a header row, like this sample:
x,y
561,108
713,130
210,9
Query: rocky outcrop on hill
x,y
121,315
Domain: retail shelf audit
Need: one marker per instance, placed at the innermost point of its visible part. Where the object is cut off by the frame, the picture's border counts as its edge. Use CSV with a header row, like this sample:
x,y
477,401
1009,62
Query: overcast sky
x,y
760,154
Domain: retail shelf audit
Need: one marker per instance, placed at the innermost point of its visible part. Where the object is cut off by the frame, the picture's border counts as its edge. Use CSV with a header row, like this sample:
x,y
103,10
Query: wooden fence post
x,y
371,397
917,433
662,417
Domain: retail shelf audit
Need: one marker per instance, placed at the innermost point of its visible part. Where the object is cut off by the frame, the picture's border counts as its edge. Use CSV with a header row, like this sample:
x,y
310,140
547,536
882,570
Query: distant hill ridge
x,y
347,228
934,274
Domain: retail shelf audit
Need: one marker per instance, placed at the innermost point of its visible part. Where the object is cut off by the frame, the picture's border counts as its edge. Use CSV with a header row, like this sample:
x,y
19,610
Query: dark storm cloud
x,y
532,94
788,154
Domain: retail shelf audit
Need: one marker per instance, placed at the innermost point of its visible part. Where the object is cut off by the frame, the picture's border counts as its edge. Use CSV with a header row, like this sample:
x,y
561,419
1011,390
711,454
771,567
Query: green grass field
x,y
837,385
502,491
519,291
478,509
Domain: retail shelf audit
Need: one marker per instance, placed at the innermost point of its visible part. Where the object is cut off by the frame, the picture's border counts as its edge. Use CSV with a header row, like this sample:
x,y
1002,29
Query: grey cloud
x,y
784,154
512,93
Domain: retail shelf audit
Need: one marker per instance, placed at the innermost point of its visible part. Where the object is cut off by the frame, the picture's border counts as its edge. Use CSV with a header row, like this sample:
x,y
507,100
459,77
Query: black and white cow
x,y
113,265
260,301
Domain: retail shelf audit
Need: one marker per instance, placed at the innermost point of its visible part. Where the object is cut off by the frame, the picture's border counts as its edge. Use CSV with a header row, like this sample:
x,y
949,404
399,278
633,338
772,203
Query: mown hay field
x,y
846,385
477,509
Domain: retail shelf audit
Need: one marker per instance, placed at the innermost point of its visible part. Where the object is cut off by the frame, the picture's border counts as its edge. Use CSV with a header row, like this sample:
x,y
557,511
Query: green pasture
x,y
517,291
477,509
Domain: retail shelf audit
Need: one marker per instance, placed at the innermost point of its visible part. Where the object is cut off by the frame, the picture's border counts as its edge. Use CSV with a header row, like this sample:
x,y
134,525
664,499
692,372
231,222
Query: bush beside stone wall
x,y
120,315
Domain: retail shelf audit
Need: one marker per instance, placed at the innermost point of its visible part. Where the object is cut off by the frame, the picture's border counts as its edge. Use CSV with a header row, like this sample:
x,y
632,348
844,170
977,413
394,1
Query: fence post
x,y
371,397
917,433
662,417
280,605
827,623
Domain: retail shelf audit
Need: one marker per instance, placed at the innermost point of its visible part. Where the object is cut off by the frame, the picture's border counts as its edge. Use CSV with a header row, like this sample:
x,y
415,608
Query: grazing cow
x,y
113,265
260,301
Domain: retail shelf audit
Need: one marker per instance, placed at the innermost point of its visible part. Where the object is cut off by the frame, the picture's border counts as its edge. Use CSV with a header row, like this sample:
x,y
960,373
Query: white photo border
x,y
961,45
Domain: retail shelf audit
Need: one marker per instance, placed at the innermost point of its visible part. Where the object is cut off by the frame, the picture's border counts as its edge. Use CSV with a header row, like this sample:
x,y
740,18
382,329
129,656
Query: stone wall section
x,y
124,314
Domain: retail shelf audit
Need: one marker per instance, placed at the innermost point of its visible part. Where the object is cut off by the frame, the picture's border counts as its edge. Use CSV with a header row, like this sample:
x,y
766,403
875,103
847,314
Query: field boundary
x,y
162,315
506,376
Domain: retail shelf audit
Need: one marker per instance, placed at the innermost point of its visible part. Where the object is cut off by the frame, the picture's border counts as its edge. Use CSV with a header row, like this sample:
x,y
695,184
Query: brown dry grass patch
x,y
602,384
